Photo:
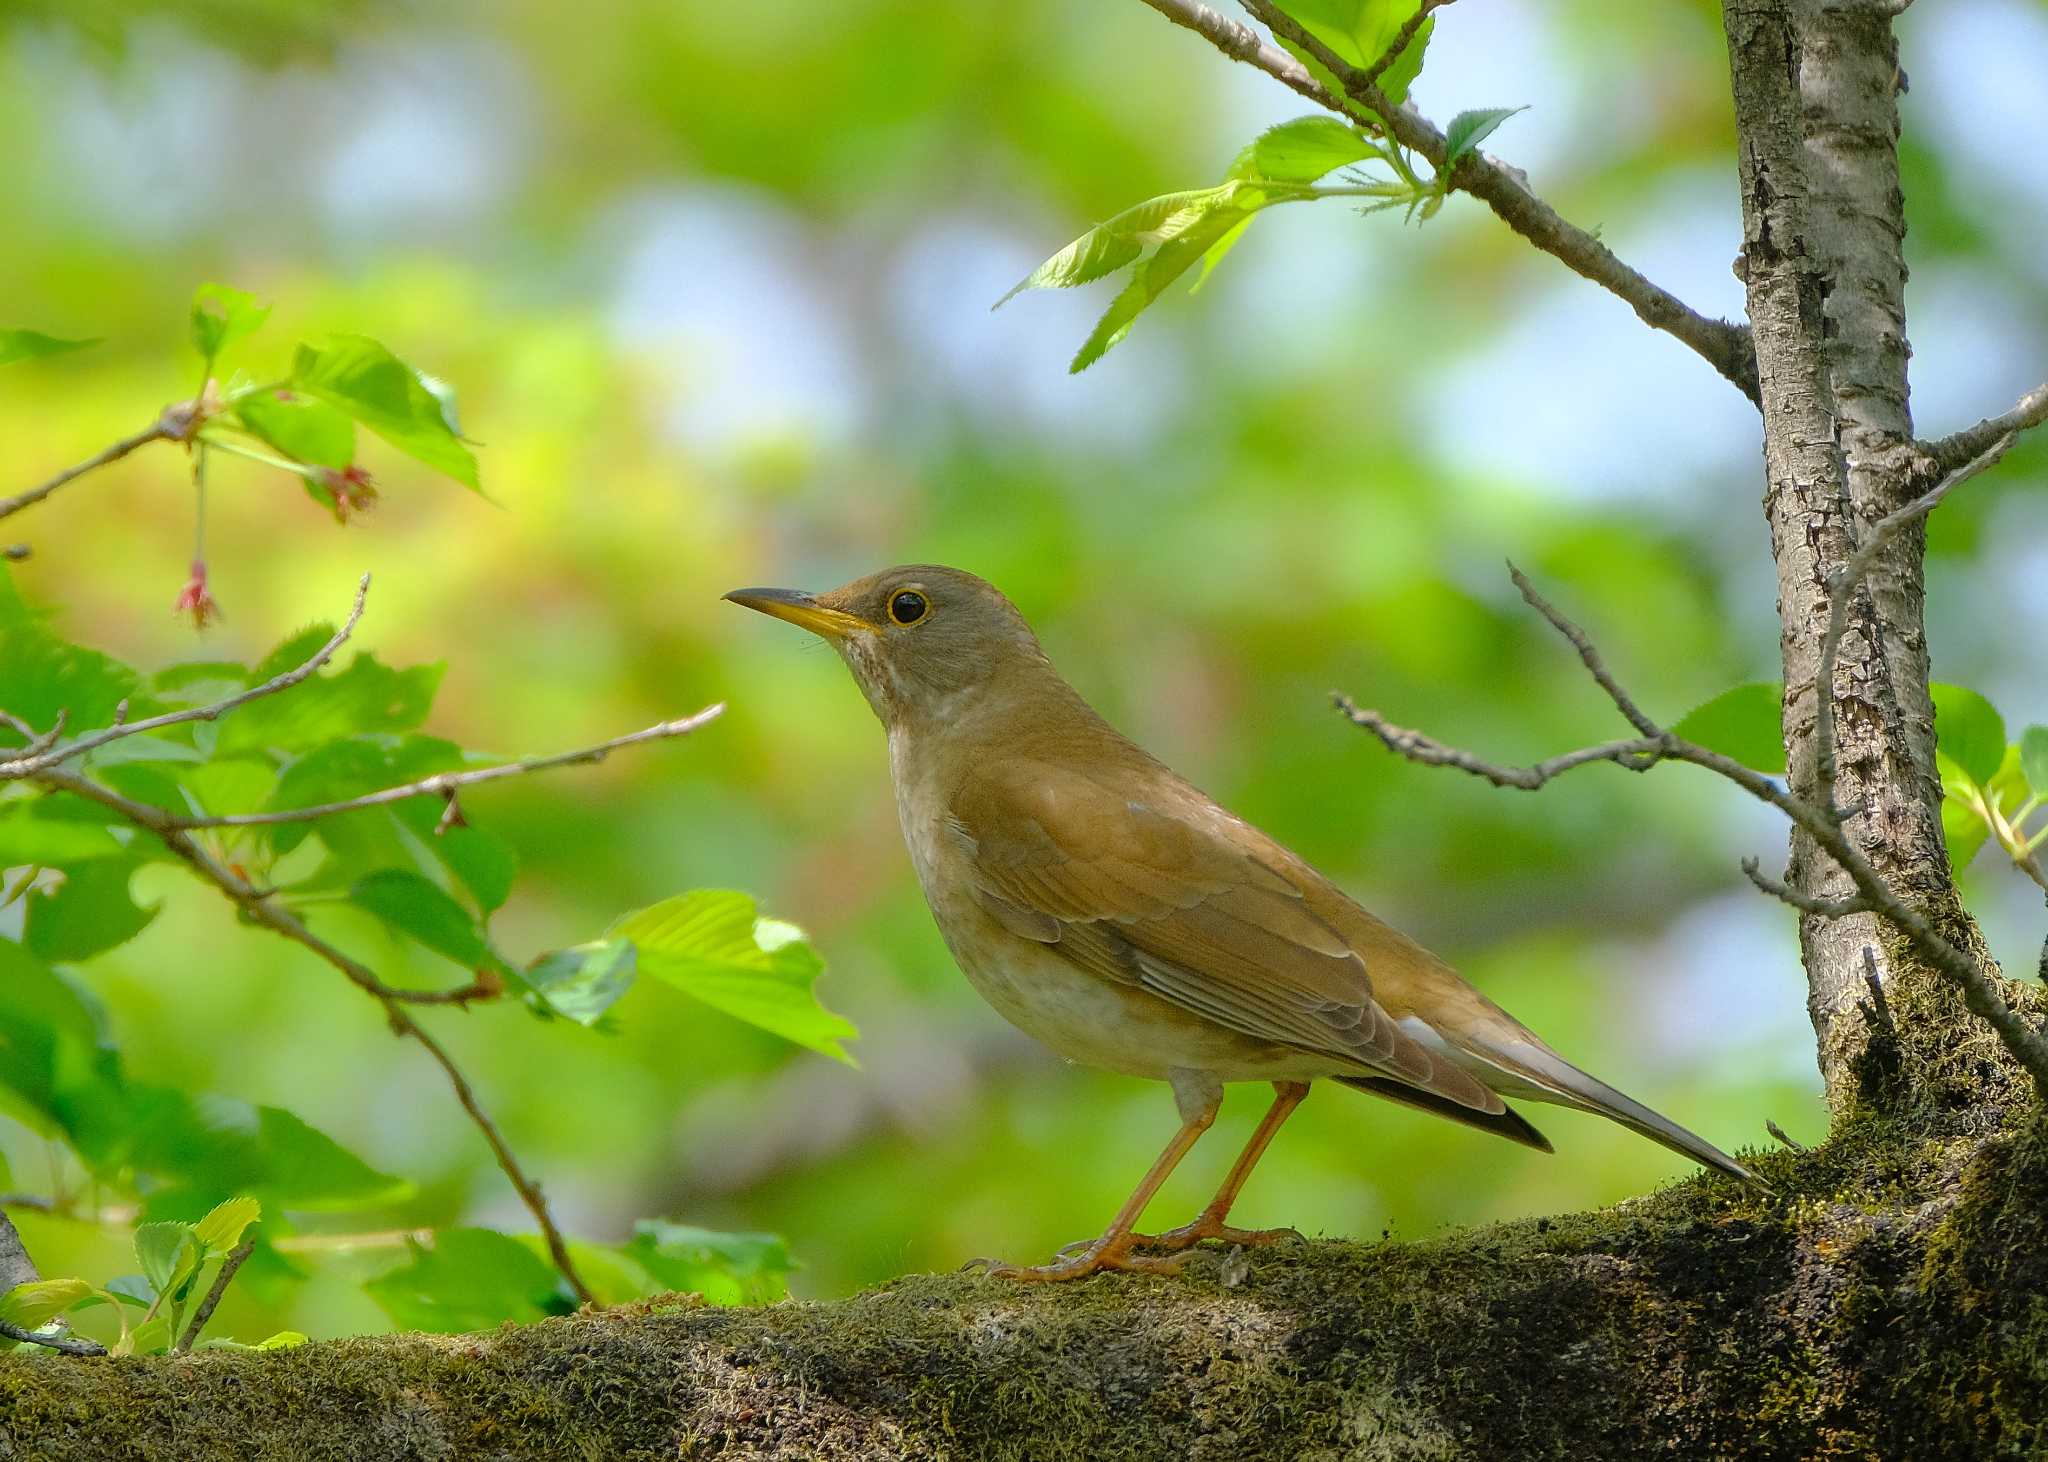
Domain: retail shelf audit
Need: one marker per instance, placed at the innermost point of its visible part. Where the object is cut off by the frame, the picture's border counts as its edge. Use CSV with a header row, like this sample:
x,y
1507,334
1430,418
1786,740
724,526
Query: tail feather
x,y
1539,1073
1507,1122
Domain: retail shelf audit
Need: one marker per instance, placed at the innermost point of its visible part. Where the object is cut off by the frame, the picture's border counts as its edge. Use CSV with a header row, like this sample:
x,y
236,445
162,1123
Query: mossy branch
x,y
1884,1301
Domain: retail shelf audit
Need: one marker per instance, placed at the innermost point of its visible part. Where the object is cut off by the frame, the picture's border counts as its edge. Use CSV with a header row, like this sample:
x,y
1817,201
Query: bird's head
x,y
923,641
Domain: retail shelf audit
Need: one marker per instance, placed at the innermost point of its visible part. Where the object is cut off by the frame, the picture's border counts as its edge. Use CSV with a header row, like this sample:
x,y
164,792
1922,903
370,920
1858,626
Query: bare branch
x,y
1874,895
207,1306
66,1343
1842,588
1637,754
1241,43
164,428
1724,346
23,764
446,784
1806,903
1951,452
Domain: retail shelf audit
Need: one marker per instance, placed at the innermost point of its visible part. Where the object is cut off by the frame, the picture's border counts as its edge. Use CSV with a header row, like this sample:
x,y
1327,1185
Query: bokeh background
x,y
713,284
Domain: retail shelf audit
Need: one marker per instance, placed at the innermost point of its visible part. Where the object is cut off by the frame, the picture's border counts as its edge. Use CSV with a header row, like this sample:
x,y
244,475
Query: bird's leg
x,y
1198,1095
1209,1223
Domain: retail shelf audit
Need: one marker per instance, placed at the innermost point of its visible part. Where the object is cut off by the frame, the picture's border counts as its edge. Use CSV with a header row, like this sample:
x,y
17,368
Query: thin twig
x,y
2027,1045
1779,1132
1638,754
446,784
1240,42
1842,588
24,765
1726,347
67,1343
1805,902
164,428
1951,452
234,1261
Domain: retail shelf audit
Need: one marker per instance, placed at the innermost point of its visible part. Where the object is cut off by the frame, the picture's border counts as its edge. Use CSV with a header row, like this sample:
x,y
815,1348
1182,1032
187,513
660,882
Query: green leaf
x,y
1742,723
418,906
220,317
714,946
33,344
303,428
1962,828
43,674
222,1227
726,1268
302,1167
2034,759
89,913
1969,731
169,1253
367,696
282,1340
1109,246
1469,129
585,981
1214,229
1301,151
35,1304
1359,31
29,838
134,1289
362,378
470,1279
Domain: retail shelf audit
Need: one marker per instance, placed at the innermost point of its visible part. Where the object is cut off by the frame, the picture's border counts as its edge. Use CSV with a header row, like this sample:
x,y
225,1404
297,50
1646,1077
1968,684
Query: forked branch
x,y
1724,346
1874,894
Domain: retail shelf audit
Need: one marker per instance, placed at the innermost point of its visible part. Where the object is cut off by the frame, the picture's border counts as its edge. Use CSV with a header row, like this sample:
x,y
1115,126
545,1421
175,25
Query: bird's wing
x,y
1161,896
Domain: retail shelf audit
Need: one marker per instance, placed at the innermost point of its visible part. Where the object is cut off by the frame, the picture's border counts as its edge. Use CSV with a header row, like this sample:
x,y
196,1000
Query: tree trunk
x,y
1885,1302
1816,88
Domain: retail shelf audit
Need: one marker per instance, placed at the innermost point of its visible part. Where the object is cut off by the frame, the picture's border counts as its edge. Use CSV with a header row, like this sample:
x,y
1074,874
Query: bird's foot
x,y
1076,1261
1212,1226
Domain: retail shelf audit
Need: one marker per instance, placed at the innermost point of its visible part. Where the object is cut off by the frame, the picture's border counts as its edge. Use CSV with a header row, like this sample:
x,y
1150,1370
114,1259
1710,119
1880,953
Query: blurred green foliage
x,y
714,283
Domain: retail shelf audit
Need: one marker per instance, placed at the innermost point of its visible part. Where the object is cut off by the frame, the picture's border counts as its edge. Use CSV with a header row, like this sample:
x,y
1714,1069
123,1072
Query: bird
x,y
1108,908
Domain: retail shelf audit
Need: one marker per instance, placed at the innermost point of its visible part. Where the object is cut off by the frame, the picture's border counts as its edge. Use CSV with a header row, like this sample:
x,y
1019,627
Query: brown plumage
x,y
1109,908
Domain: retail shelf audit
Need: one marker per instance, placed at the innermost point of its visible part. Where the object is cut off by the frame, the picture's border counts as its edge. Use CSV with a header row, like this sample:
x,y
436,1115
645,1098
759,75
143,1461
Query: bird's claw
x,y
1188,1235
1076,1261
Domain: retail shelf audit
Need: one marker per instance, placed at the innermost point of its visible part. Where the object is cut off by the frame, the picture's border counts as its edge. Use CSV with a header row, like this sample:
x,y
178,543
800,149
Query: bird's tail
x,y
1535,1071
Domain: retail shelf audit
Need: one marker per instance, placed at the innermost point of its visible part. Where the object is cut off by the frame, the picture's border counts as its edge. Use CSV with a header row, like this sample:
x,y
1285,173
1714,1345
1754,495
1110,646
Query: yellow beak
x,y
801,610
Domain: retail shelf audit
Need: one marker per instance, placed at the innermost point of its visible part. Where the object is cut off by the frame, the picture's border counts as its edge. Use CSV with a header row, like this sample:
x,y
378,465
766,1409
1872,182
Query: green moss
x,y
1886,1299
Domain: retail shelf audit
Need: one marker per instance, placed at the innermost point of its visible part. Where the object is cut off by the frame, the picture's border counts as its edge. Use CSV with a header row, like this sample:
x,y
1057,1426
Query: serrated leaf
x,y
359,376
168,1252
1969,731
221,316
1469,129
2033,746
585,981
368,696
1302,151
133,1288
470,1279
302,1167
1110,245
222,1227
34,345
1742,723
303,428
35,1304
713,945
417,906
1154,275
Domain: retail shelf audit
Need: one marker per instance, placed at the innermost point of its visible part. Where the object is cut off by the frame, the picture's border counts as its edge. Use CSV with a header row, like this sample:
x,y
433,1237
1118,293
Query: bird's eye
x,y
906,607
